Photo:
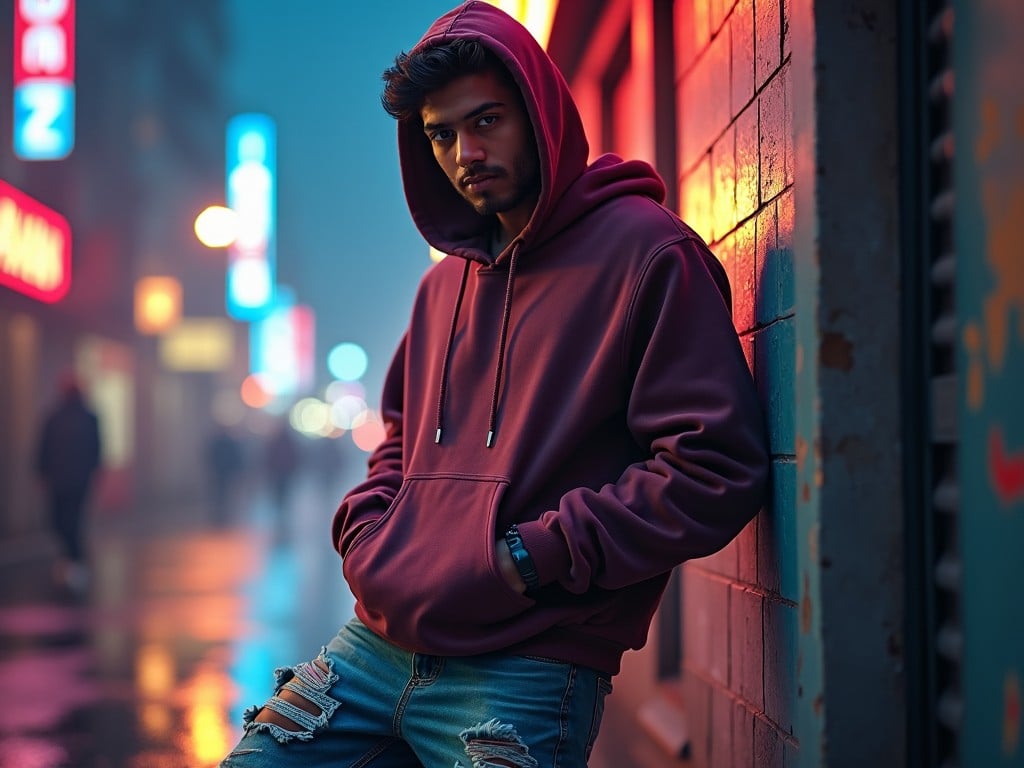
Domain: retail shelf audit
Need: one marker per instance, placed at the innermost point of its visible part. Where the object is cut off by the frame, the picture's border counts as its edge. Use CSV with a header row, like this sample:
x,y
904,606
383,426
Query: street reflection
x,y
181,630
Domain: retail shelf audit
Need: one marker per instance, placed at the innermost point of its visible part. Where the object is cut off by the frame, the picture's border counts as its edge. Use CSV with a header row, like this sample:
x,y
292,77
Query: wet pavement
x,y
178,631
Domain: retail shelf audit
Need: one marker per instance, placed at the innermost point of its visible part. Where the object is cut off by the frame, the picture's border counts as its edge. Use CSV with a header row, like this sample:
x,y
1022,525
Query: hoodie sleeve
x,y
367,501
693,403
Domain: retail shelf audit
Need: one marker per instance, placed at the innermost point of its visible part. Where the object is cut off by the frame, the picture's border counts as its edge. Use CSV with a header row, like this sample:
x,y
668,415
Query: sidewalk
x,y
181,629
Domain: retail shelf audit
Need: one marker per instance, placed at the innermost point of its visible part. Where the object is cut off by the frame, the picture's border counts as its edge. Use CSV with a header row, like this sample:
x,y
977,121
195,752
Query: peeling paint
x,y
1006,470
836,352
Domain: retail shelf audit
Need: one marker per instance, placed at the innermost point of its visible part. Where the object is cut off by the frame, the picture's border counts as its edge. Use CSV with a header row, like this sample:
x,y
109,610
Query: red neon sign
x,y
35,247
44,40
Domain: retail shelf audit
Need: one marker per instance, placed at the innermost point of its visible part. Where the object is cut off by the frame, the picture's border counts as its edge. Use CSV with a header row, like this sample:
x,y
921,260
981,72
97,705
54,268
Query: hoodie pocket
x,y
430,559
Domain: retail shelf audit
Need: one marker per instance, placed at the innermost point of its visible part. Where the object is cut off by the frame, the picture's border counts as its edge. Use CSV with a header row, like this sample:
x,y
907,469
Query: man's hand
x,y
508,567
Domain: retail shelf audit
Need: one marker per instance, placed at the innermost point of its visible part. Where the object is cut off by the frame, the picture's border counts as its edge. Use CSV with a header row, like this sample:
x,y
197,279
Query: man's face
x,y
483,140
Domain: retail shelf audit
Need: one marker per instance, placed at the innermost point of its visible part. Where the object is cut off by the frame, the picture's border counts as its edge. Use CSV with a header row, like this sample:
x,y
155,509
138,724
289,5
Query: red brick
x,y
746,553
748,178
695,198
775,127
780,643
697,695
786,221
787,39
742,29
721,728
742,277
766,238
742,735
768,42
747,648
787,88
706,631
723,170
768,750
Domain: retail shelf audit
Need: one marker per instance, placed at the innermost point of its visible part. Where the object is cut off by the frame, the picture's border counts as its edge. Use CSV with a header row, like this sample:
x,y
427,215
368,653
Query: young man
x,y
569,414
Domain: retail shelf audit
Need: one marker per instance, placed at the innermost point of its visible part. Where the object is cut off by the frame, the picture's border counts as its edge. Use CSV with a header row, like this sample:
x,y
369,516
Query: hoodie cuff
x,y
548,551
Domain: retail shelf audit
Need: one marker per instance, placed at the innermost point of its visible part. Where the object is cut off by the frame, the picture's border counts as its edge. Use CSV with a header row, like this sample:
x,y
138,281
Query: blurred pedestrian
x,y
67,458
224,462
569,416
281,461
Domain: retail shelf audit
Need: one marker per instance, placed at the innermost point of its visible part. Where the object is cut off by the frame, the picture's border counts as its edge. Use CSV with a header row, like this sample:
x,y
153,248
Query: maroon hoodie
x,y
586,384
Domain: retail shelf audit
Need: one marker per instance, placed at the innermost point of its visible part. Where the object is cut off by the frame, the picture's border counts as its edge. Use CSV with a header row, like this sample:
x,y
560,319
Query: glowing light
x,y
198,344
536,15
251,283
35,247
436,255
216,226
347,361
346,410
252,194
157,304
338,389
254,394
154,670
368,432
310,416
44,79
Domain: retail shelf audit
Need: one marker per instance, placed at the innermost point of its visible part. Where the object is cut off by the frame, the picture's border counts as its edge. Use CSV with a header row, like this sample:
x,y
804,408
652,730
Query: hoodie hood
x,y
443,217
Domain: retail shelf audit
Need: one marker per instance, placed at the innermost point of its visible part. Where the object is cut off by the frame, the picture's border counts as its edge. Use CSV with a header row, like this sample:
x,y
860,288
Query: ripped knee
x,y
300,704
496,744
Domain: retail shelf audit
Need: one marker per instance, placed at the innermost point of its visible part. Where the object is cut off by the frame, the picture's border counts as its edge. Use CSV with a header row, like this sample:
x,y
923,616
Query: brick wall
x,y
735,158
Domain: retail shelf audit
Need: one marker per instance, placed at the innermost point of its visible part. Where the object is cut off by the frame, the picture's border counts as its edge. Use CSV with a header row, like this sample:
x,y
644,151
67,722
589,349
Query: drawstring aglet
x,y
490,438
437,437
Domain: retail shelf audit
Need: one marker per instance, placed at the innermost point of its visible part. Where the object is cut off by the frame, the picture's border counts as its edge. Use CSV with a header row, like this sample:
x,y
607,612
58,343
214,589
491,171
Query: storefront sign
x,y
35,247
44,79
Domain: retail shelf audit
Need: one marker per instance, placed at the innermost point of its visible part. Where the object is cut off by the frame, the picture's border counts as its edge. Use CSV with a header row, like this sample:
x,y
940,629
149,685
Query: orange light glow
x,y
254,394
157,304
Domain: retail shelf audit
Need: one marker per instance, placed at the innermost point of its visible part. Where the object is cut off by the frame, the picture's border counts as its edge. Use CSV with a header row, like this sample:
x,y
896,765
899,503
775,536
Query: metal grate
x,y
943,504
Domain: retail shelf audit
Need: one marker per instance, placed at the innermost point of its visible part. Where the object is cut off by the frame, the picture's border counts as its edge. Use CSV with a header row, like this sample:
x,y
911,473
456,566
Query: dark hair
x,y
413,76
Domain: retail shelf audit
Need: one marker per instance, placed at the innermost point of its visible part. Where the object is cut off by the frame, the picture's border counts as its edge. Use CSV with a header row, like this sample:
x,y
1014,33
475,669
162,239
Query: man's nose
x,y
470,150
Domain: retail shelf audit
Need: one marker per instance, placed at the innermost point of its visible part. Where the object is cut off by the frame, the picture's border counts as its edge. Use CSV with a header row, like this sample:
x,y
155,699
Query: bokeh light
x,y
346,410
311,417
254,393
368,431
347,361
216,226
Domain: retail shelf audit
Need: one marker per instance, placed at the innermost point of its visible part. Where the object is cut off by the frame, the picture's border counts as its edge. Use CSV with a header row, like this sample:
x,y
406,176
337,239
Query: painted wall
x,y
989,168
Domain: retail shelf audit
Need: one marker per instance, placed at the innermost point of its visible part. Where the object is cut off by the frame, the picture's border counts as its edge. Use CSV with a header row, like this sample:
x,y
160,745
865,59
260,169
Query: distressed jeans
x,y
371,704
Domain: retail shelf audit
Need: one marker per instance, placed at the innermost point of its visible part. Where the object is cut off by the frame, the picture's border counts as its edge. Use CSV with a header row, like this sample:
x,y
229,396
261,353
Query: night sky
x,y
345,241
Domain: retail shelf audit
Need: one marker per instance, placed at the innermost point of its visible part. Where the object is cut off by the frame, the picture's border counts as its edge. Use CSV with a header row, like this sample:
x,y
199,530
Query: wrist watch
x,y
521,558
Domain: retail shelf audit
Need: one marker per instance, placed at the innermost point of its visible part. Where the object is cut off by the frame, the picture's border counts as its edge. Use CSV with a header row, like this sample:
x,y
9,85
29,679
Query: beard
x,y
525,181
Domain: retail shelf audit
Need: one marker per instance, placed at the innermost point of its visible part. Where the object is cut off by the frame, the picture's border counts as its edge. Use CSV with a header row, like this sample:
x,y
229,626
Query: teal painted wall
x,y
989,181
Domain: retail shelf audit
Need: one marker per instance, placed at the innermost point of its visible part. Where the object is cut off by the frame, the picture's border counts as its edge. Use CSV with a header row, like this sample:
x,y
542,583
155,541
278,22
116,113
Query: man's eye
x,y
488,120
441,135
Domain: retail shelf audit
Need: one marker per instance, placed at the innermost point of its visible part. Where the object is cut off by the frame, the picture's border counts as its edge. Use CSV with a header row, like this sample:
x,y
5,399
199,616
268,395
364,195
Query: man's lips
x,y
477,179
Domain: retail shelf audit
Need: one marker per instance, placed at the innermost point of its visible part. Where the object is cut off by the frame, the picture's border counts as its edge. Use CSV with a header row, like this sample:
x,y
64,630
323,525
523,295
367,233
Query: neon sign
x,y
251,194
35,247
44,79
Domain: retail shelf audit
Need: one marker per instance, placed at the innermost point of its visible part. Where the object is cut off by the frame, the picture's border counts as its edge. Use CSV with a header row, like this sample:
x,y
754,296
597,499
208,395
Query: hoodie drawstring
x,y
502,340
442,395
506,314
